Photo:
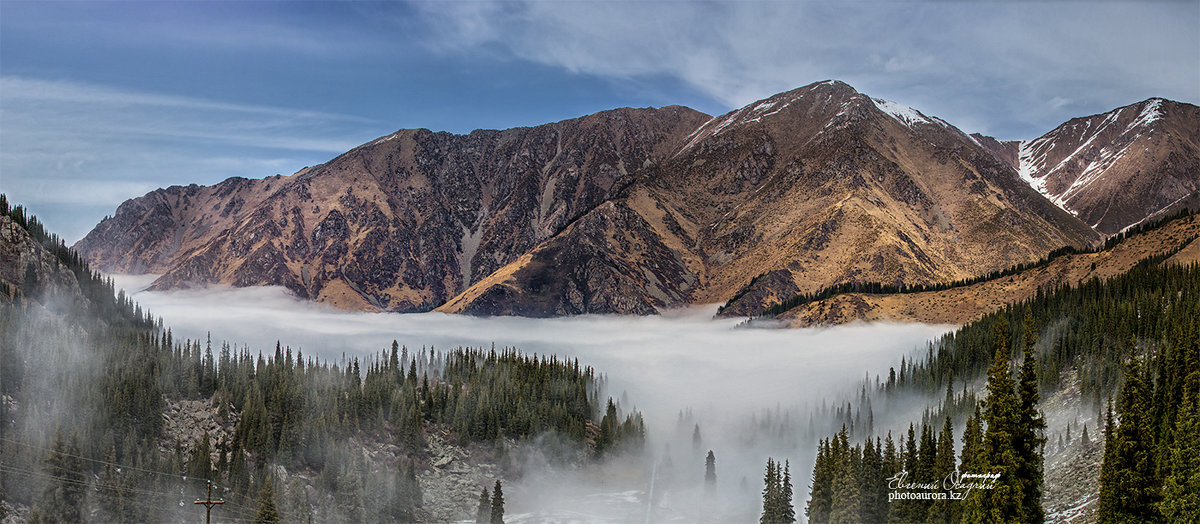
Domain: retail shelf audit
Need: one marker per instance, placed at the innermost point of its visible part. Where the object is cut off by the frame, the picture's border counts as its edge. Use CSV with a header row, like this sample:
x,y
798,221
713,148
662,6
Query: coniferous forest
x,y
88,376
1132,341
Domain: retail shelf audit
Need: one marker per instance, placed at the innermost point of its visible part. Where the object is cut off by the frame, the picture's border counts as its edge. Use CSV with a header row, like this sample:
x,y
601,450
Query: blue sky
x,y
100,102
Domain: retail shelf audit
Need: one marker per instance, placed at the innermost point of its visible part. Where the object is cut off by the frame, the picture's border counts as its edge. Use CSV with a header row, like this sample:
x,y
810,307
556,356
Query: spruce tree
x,y
846,486
483,513
1181,488
266,513
497,513
200,465
771,512
710,470
1029,438
943,511
63,498
1109,503
1003,503
787,513
821,495
1132,487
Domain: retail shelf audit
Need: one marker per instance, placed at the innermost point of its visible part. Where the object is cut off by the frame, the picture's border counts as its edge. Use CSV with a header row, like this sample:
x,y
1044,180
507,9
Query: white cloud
x,y
66,142
661,365
989,65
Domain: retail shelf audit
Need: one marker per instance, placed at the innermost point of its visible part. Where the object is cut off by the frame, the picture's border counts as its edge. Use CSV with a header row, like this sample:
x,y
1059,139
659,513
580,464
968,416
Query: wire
x,y
101,462
14,469
237,509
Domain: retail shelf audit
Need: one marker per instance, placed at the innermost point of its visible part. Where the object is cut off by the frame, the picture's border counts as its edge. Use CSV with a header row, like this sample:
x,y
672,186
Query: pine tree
x,y
1001,412
1181,488
1029,438
821,495
787,512
1131,488
710,470
874,484
113,495
773,511
972,451
943,511
483,513
62,501
267,513
497,514
846,506
200,465
1109,503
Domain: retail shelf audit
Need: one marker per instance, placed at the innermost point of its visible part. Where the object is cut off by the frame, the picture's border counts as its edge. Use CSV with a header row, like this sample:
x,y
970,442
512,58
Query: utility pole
x,y
208,504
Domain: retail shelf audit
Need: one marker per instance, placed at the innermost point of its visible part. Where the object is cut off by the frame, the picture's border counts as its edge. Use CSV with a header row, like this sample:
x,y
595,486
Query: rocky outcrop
x,y
30,271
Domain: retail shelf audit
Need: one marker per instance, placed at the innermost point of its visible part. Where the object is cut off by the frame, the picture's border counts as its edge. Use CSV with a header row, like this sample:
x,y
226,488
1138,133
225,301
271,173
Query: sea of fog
x,y
727,379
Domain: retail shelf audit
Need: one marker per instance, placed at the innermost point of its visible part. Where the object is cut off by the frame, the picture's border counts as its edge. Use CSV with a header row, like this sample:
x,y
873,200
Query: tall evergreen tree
x,y
483,513
943,511
1181,487
1029,437
497,514
266,513
1001,412
820,498
1131,488
200,466
63,499
710,470
787,512
777,494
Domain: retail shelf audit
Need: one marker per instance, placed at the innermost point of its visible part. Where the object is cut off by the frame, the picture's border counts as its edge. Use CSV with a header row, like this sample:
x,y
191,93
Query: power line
x,y
208,504
237,509
101,462
245,511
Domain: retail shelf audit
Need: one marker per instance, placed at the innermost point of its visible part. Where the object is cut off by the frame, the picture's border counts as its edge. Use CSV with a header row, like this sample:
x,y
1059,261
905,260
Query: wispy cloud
x,y
65,142
994,67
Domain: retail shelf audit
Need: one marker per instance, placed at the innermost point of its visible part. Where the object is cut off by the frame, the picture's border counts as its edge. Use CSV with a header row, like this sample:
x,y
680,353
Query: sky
x,y
101,102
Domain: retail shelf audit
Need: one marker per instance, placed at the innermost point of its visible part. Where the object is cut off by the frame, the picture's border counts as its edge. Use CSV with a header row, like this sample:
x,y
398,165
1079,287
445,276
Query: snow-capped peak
x,y
902,113
1151,112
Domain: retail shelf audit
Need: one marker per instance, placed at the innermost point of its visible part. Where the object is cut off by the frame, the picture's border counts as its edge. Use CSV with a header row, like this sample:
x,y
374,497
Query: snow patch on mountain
x,y
1150,113
902,113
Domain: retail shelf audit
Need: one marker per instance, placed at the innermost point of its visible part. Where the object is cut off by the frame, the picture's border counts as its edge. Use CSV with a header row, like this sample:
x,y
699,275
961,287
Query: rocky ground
x,y
450,480
186,421
1072,470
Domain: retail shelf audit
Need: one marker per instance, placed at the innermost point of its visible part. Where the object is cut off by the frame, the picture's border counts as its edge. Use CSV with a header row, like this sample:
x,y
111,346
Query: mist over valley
x,y
729,380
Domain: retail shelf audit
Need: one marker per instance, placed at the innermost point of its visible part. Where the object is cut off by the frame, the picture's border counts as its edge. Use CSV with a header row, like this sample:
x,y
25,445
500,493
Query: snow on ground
x,y
902,113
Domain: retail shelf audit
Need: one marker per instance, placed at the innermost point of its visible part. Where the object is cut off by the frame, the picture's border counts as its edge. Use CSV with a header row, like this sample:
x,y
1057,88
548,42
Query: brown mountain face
x,y
624,211
1115,169
823,185
403,223
810,188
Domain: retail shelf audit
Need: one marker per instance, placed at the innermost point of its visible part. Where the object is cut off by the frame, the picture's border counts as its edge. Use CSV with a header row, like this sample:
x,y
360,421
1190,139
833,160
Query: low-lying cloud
x,y
681,361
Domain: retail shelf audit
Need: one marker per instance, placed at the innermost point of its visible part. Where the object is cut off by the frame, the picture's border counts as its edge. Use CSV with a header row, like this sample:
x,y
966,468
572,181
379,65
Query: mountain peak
x,y
1114,169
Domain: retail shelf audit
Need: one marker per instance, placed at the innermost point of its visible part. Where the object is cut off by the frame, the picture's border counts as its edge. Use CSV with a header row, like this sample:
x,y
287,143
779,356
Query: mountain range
x,y
633,210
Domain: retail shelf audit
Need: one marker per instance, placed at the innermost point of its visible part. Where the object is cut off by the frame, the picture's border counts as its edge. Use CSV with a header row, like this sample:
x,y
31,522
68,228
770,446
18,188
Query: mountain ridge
x,y
622,211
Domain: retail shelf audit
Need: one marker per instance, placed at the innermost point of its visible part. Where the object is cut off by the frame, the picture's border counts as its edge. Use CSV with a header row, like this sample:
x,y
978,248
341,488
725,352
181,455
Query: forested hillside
x,y
1132,341
90,384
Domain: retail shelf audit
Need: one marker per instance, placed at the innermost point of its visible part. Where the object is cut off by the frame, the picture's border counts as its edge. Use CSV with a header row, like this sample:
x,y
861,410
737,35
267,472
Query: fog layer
x,y
724,377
